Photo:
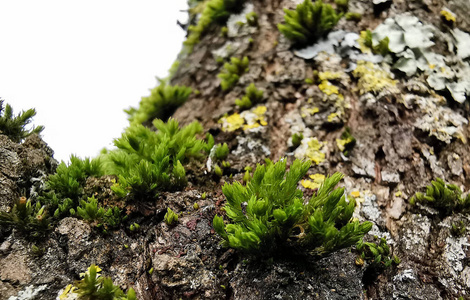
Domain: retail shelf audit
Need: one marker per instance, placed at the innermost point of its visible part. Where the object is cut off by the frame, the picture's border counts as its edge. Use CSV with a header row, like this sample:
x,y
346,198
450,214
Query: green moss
x,y
276,216
134,227
161,104
224,31
447,198
377,253
15,126
346,142
308,80
232,71
88,210
308,22
221,151
353,16
64,189
171,217
297,139
215,11
27,218
218,171
458,229
93,286
252,97
252,18
381,47
147,162
342,5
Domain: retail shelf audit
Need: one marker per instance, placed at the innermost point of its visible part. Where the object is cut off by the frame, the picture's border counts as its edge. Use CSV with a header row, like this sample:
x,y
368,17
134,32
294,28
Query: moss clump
x,y
147,162
378,254
252,18
297,139
353,16
269,213
214,11
252,97
232,71
346,142
93,286
171,217
15,127
308,22
161,104
27,218
367,44
64,189
447,198
221,151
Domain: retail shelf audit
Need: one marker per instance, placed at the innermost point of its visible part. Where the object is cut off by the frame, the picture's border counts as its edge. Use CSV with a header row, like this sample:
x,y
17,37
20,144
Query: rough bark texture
x,y
391,161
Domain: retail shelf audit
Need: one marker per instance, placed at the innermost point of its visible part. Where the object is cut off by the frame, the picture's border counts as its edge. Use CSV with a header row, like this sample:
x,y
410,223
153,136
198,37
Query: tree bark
x,y
392,160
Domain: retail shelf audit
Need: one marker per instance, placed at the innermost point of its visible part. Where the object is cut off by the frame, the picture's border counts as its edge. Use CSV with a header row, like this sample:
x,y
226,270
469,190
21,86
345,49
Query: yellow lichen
x,y
448,15
329,75
313,151
327,88
251,126
232,122
373,78
332,117
315,183
247,119
398,194
355,194
309,111
341,144
260,110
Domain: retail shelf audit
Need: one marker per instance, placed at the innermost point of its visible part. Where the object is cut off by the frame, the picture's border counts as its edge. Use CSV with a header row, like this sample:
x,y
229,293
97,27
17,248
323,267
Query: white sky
x,y
80,63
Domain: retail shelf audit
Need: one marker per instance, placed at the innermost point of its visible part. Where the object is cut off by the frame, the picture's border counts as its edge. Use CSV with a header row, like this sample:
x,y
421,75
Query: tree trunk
x,y
406,135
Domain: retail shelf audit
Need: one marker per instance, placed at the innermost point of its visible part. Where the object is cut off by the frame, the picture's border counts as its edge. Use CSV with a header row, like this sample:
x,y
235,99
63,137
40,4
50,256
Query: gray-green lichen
x,y
411,41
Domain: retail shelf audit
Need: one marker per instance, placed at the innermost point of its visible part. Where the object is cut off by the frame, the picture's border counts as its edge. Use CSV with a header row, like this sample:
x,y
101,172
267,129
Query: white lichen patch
x,y
369,207
415,234
237,23
454,252
405,276
437,119
251,146
227,50
411,41
297,125
30,292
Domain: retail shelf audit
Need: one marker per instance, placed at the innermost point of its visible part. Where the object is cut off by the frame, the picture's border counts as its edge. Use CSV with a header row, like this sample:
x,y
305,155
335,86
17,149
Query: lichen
x,y
437,119
328,88
448,15
247,120
313,149
327,75
315,183
29,293
309,111
373,79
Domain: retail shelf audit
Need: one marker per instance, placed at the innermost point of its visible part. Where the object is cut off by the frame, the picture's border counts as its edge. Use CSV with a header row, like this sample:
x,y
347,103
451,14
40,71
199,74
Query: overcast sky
x,y
80,63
